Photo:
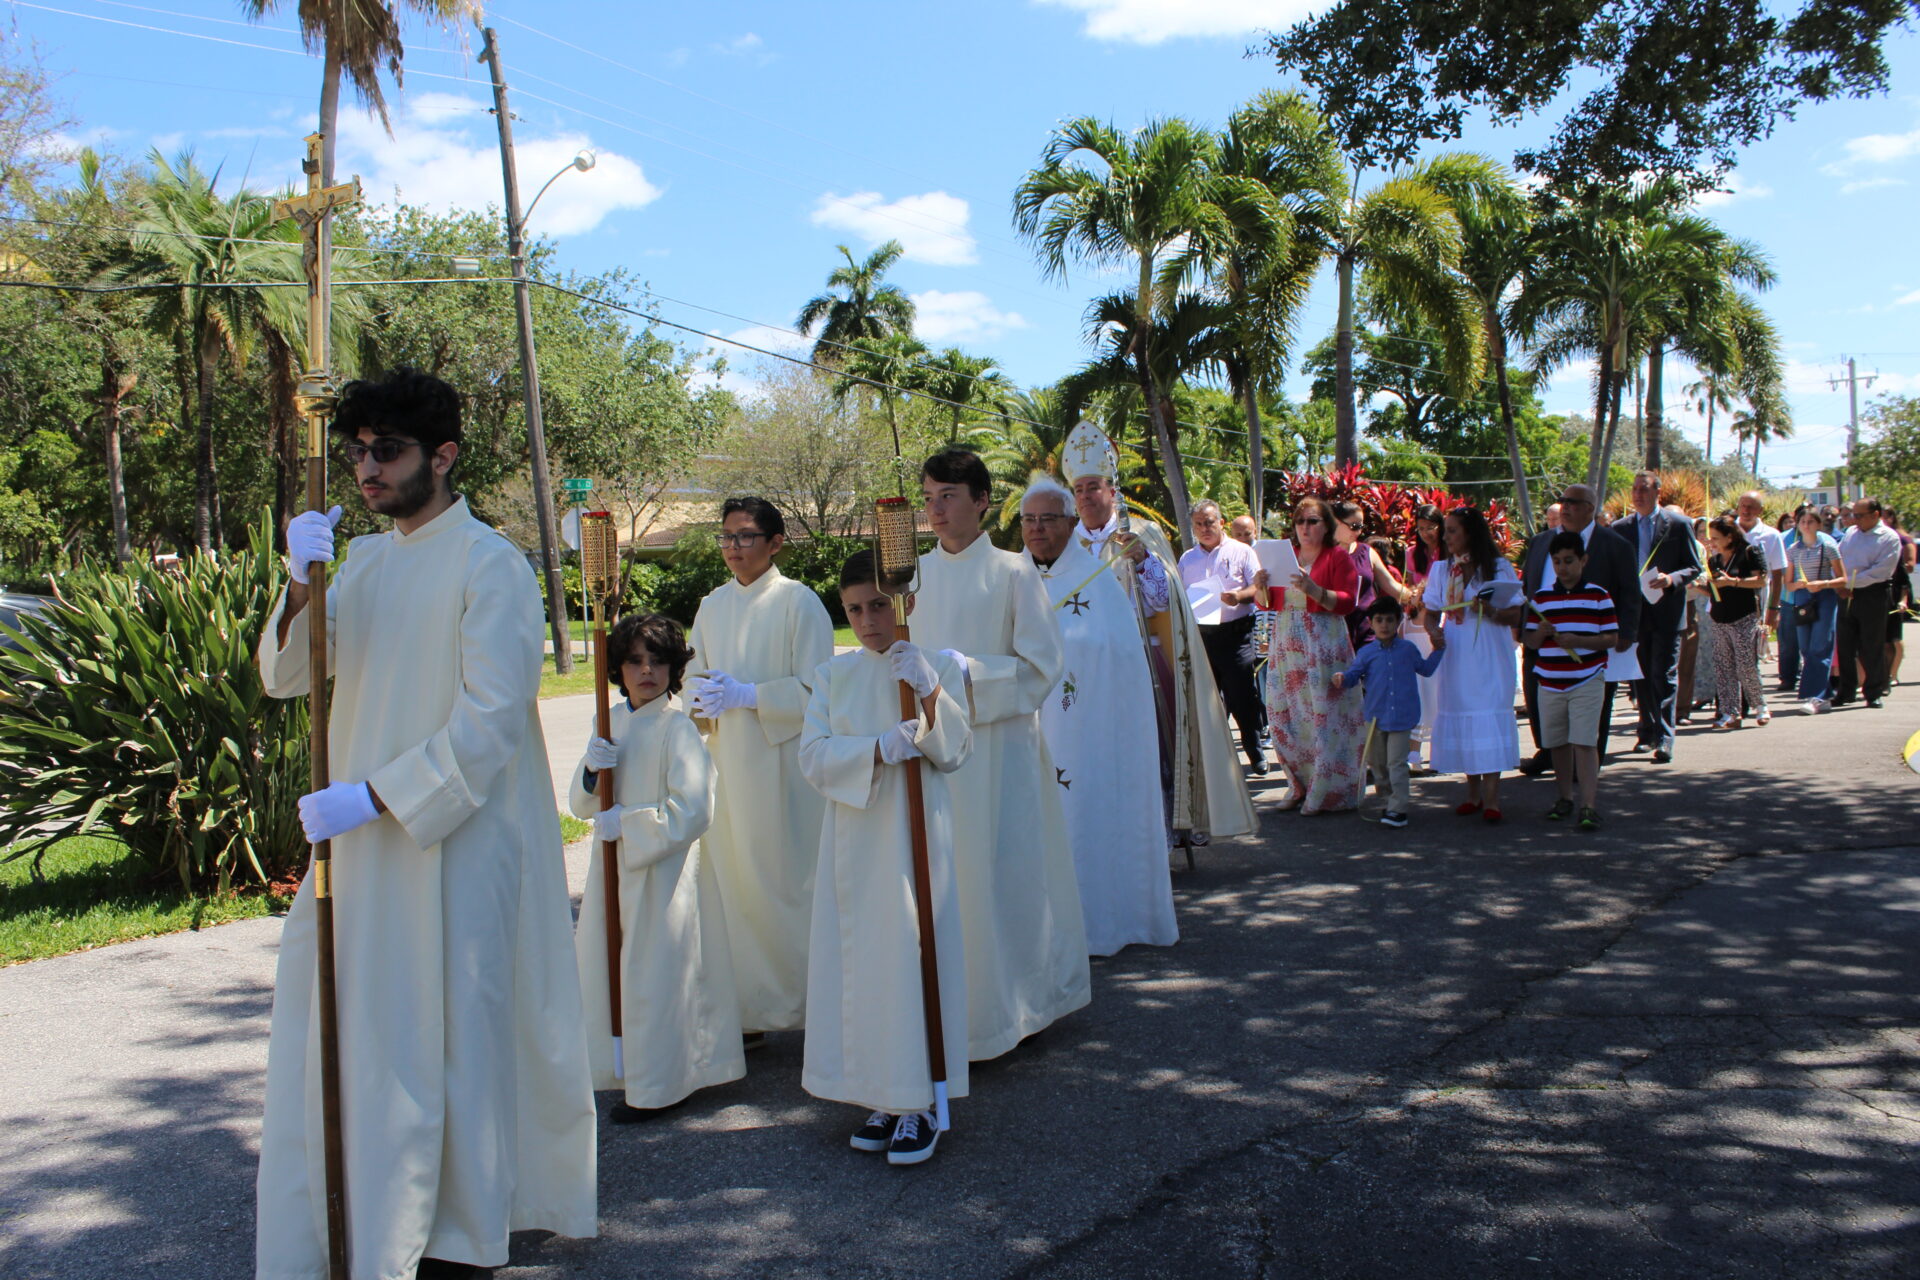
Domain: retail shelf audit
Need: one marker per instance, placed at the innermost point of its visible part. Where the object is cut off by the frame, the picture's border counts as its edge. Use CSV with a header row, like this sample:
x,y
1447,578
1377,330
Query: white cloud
x,y
443,155
1732,188
1154,21
932,227
1907,299
1883,148
1868,184
961,316
748,46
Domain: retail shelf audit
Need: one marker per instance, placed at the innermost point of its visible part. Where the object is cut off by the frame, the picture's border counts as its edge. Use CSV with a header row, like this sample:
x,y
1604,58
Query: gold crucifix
x,y
316,394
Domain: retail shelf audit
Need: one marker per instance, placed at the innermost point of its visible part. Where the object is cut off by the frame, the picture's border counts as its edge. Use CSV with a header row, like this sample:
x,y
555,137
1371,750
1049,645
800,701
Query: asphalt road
x,y
1687,1045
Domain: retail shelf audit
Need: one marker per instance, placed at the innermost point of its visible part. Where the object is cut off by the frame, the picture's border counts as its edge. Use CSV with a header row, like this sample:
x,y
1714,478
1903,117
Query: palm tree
x,y
965,384
1404,235
1281,142
1603,267
1709,394
1495,253
890,367
1035,430
1103,197
186,234
1703,318
864,310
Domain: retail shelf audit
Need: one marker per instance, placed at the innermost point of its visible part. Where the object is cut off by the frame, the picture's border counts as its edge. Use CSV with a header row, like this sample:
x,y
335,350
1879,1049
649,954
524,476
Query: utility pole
x,y
529,367
1853,381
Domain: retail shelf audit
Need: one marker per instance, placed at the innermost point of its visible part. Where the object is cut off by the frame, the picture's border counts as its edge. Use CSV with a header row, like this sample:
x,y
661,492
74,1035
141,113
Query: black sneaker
x,y
1561,809
914,1138
751,1040
873,1135
441,1269
1589,819
1392,819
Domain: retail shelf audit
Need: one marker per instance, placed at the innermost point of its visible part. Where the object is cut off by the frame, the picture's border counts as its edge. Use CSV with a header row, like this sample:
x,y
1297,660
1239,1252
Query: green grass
x,y
572,828
844,638
93,894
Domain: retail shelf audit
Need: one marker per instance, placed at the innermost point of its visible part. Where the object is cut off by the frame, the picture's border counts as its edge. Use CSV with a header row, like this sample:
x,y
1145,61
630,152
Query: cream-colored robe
x,y
1209,791
866,1023
1019,900
766,820
467,1103
1099,725
680,1018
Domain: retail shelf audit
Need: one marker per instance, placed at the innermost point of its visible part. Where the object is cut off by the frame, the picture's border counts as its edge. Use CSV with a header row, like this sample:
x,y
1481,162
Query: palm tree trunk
x,y
203,439
1600,401
111,392
1613,429
1346,447
1497,343
1712,392
1256,460
1176,475
1656,413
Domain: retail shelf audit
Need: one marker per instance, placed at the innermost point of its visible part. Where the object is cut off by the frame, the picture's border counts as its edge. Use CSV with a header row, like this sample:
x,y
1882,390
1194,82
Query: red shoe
x,y
1491,815
1467,809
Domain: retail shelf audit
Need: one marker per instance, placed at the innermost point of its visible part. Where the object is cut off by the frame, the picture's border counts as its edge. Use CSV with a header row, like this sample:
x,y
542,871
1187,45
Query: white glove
x,y
896,744
337,810
310,538
719,693
606,823
601,754
911,668
961,660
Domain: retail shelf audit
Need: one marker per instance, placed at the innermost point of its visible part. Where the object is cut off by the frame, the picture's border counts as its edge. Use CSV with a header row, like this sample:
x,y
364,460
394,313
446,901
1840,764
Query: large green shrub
x,y
136,711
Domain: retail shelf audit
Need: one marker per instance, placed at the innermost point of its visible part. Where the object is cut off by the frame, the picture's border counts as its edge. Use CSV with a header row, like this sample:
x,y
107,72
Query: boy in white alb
x,y
680,1017
758,640
866,1029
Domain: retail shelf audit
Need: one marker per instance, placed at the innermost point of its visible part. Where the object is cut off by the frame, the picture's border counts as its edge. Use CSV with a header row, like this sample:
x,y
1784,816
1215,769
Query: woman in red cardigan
x,y
1316,732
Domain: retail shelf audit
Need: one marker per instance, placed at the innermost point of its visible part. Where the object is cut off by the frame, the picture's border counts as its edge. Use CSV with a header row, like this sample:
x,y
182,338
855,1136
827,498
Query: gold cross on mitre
x,y
1088,452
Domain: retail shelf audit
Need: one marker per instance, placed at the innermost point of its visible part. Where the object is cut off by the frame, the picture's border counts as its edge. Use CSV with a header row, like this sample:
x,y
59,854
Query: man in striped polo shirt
x,y
1572,626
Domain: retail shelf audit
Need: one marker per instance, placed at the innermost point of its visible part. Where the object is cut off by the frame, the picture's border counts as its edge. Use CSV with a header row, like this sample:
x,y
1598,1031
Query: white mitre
x,y
1088,452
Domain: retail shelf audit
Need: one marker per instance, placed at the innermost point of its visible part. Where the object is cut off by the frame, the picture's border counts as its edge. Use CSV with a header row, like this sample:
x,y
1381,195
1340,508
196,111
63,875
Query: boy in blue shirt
x,y
1389,670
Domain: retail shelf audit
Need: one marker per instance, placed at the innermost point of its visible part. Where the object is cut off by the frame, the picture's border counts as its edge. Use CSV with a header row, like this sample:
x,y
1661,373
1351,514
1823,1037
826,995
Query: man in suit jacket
x,y
1610,564
1662,543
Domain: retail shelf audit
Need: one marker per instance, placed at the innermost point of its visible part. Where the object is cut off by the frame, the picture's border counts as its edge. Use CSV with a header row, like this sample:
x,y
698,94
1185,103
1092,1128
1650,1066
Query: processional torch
x,y
316,398
600,570
897,564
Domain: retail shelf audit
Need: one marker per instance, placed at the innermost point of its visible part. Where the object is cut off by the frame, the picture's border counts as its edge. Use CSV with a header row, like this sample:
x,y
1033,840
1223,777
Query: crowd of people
x,y
1049,729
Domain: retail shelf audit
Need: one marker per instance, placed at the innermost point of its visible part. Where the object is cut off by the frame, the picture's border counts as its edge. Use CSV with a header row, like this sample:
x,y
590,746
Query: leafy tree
x,y
813,453
968,385
1664,86
31,119
863,310
1887,460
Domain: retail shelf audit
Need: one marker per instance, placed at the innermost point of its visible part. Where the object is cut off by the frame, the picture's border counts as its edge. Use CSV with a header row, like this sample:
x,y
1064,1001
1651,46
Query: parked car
x,y
12,605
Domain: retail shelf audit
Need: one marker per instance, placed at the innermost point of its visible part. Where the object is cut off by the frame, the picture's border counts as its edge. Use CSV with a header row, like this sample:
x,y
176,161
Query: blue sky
x,y
738,143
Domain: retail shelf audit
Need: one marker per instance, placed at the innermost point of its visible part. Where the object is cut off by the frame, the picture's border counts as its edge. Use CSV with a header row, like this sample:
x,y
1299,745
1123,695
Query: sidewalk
x,y
1687,1045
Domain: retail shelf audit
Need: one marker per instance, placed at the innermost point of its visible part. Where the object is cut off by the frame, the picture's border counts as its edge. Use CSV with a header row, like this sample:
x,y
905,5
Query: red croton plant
x,y
1389,505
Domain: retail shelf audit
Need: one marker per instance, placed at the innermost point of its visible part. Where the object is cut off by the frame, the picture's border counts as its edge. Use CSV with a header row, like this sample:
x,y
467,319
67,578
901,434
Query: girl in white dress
x,y
680,1015
1472,603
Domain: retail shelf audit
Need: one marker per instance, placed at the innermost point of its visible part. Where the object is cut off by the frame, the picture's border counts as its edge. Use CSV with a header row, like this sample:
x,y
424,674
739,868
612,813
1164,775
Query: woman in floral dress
x,y
1316,732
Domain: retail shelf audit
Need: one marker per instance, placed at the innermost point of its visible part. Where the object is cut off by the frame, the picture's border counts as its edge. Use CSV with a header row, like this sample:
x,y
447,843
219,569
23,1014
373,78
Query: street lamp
x,y
529,367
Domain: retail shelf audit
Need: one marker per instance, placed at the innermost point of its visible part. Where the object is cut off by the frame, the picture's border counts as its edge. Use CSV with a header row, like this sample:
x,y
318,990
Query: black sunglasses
x,y
382,451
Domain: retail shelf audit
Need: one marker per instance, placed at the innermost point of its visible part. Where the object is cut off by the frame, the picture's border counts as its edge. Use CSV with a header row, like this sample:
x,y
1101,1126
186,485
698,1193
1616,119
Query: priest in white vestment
x,y
1208,793
1019,899
757,641
1099,727
467,1106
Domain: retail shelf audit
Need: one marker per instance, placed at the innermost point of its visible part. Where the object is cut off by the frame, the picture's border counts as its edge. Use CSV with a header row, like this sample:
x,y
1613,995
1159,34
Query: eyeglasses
x,y
746,539
1039,521
383,450
1309,520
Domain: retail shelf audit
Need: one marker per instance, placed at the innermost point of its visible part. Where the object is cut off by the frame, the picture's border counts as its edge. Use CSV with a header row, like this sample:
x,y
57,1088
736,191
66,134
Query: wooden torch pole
x,y
599,572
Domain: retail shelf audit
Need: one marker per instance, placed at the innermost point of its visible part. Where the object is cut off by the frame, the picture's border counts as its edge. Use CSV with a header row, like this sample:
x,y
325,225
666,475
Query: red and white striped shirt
x,y
1582,610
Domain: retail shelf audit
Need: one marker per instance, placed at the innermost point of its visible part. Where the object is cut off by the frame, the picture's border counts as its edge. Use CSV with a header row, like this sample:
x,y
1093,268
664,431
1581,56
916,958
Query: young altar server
x,y
1019,899
680,1018
758,640
866,1025
468,1109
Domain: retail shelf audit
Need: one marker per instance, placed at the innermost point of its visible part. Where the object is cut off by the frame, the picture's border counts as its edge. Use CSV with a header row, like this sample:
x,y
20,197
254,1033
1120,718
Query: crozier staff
x,y
467,1104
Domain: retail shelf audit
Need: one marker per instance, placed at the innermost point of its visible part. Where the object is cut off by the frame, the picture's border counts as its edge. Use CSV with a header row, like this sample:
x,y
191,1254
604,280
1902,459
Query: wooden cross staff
x,y
316,398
